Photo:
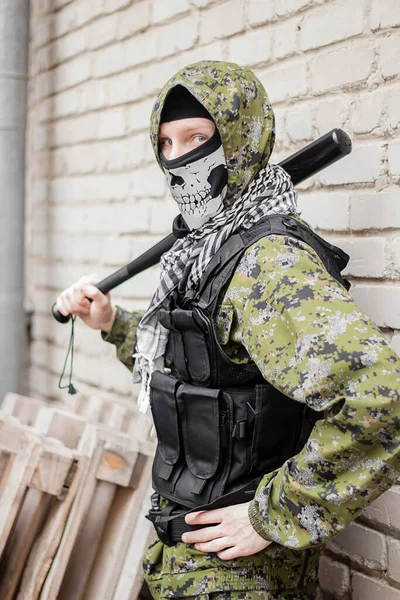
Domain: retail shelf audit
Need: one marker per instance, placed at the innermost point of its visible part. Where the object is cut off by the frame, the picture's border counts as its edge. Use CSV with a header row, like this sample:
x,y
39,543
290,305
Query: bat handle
x,y
58,316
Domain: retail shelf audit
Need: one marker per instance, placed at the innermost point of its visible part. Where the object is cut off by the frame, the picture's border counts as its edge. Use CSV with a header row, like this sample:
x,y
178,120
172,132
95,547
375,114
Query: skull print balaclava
x,y
198,179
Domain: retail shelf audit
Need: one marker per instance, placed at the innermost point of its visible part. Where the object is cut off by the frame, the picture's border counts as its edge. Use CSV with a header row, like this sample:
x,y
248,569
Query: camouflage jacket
x,y
309,339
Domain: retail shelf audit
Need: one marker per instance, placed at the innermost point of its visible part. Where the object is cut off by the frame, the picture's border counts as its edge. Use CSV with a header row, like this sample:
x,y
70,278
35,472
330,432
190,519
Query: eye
x,y
200,138
165,142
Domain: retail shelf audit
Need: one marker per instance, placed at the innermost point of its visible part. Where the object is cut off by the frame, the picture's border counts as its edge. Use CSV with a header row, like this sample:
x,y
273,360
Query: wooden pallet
x,y
72,521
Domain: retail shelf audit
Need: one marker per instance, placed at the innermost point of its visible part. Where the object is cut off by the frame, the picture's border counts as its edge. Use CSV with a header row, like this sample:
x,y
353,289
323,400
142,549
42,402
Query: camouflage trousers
x,y
305,594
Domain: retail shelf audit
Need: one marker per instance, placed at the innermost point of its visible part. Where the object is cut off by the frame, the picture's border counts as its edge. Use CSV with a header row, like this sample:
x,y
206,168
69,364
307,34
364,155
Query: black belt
x,y
169,521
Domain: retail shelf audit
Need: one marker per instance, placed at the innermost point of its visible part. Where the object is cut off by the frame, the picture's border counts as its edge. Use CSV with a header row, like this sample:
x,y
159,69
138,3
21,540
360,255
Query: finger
x,y
60,304
92,292
201,535
214,546
231,553
79,298
93,278
205,516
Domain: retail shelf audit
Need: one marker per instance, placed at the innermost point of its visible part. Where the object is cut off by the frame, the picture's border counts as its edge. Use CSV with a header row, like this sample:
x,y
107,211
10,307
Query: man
x,y
275,399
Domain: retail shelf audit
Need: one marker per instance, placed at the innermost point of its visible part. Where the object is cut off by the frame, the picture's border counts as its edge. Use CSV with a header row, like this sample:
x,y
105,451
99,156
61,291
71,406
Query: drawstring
x,y
71,389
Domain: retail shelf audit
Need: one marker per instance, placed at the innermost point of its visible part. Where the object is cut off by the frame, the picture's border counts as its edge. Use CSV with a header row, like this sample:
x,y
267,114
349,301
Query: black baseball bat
x,y
303,164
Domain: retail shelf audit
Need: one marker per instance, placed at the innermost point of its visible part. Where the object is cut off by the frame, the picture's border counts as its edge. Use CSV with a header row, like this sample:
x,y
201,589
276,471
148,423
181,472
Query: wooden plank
x,y
87,543
52,470
131,575
22,407
23,451
18,546
75,519
51,551
119,458
117,535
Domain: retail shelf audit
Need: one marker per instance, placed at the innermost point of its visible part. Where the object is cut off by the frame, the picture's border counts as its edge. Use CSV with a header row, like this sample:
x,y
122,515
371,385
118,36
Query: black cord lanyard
x,y
70,386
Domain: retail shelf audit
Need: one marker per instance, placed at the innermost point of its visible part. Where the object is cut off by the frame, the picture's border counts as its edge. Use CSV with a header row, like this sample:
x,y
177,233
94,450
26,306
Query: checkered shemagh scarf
x,y
271,192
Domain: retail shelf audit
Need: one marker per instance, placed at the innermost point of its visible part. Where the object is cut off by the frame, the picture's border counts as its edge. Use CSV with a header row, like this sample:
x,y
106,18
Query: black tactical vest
x,y
219,424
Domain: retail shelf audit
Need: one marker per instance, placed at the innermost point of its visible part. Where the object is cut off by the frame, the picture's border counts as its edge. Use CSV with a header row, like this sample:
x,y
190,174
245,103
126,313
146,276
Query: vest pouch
x,y
199,415
164,410
277,426
194,346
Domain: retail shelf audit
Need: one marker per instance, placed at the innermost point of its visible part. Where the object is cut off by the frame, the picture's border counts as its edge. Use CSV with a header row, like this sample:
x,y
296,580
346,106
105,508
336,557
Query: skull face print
x,y
198,183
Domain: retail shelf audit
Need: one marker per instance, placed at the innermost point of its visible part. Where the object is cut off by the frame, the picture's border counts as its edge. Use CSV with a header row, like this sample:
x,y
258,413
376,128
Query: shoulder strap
x,y
222,265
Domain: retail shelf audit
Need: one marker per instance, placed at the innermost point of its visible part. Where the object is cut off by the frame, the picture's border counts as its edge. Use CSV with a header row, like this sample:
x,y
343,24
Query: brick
x,y
362,165
367,113
249,49
364,545
87,10
65,103
124,87
134,19
326,211
330,23
285,38
331,113
90,188
77,129
41,32
101,32
109,60
375,211
149,182
92,96
367,256
380,302
394,157
395,248
347,66
167,10
162,214
284,7
394,560
64,20
299,123
212,51
384,511
392,98
116,251
111,123
181,36
395,343
156,74
334,578
111,6
384,13
260,12
202,3
389,55
221,21
366,588
71,73
139,115
285,82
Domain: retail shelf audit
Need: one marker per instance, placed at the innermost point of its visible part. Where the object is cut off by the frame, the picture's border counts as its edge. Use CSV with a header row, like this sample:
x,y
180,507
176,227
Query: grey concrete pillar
x,y
14,27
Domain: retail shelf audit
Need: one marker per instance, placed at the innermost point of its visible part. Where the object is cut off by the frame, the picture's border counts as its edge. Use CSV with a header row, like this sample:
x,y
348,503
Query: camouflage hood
x,y
239,105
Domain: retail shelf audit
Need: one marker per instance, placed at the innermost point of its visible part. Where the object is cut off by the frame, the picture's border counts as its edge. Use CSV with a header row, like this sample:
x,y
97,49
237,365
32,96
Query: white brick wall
x,y
96,199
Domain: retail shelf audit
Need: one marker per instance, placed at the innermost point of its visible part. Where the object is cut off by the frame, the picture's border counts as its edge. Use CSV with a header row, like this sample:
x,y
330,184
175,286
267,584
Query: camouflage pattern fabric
x,y
240,107
283,311
310,340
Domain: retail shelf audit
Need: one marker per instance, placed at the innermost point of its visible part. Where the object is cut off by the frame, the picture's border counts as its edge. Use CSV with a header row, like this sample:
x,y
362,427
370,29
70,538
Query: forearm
x,y
123,335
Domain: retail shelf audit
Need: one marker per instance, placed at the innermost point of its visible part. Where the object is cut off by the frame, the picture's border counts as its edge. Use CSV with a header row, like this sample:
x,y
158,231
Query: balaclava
x,y
198,179
242,113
